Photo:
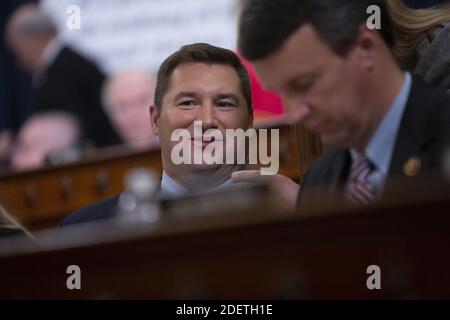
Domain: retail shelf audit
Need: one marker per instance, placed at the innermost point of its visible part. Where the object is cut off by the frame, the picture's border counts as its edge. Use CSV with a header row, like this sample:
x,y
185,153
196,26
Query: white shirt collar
x,y
48,56
50,53
381,145
172,188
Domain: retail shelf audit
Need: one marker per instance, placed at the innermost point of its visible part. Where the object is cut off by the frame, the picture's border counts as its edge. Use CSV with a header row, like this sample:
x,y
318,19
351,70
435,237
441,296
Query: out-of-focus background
x,y
79,75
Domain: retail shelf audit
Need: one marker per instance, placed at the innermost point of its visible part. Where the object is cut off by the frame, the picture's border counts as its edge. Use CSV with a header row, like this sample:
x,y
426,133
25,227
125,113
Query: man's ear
x,y
367,44
154,118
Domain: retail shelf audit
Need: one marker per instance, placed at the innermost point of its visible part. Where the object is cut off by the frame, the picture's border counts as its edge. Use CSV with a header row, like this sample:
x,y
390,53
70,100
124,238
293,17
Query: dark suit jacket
x,y
97,212
73,84
424,133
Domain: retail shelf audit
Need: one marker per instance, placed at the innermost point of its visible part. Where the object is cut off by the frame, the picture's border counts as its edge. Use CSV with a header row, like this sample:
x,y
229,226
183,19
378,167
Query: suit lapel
x,y
416,132
337,173
340,168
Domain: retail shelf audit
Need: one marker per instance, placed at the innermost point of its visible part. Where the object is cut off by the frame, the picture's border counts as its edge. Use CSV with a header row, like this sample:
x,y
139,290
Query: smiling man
x,y
338,78
202,83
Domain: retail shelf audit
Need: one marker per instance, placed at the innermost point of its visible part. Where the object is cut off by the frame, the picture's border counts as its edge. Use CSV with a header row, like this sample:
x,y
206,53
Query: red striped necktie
x,y
359,190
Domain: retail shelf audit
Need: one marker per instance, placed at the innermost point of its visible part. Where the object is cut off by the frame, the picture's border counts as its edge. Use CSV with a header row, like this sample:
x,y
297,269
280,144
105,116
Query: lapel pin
x,y
412,167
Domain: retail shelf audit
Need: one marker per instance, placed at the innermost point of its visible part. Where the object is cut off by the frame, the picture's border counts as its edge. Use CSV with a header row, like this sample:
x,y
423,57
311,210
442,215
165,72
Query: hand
x,y
281,186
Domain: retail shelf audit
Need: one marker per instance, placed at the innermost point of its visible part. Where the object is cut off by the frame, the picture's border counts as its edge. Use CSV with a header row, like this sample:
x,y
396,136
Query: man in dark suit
x,y
332,63
62,79
199,82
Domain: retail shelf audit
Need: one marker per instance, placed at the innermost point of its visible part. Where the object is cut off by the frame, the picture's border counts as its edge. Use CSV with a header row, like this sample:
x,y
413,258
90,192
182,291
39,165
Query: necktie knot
x,y
361,166
359,190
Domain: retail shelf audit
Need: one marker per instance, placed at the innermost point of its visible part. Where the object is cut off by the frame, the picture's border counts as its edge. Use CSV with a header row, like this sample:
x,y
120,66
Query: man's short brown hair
x,y
207,54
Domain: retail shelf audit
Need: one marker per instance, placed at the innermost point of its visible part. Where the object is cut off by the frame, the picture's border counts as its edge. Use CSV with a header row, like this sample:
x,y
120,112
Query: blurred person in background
x,y
420,4
62,79
44,134
126,98
422,41
15,84
5,148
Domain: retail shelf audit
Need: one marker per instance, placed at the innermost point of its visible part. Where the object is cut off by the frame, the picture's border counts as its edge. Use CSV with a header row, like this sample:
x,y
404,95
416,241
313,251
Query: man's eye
x,y
187,103
226,104
305,85
302,86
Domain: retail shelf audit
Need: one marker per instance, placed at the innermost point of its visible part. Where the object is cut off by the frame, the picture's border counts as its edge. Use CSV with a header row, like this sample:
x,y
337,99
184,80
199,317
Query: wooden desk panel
x,y
253,255
41,198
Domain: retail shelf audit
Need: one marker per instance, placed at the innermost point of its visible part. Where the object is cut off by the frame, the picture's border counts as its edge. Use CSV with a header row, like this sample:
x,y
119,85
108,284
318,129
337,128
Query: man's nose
x,y
295,110
208,116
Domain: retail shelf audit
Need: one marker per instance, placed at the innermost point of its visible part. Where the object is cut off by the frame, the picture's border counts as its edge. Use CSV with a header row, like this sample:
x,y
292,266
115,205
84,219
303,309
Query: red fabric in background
x,y
266,103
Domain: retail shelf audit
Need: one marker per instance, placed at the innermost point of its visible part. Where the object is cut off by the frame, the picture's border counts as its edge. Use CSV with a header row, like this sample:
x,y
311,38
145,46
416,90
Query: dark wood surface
x,y
249,254
41,198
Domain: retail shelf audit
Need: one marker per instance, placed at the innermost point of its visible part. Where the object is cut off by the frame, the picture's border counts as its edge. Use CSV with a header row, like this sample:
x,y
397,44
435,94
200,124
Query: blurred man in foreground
x,y
336,73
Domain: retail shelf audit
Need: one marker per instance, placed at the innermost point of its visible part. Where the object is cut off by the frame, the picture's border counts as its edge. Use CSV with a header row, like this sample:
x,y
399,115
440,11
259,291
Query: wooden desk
x,y
41,198
250,255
